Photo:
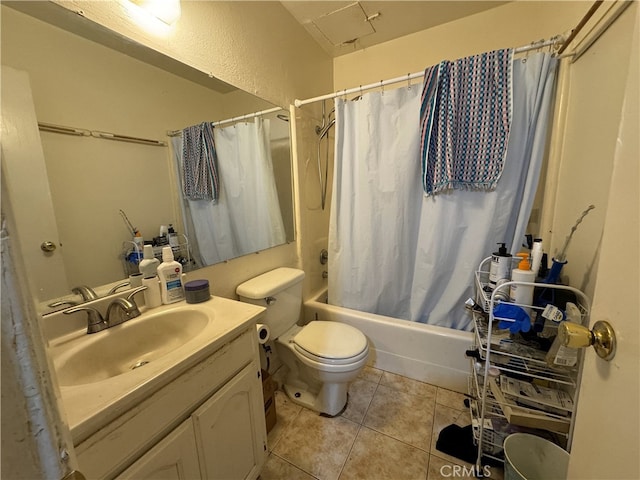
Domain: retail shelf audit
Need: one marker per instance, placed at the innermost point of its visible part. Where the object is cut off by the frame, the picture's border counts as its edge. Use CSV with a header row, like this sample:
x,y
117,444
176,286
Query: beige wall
x,y
255,46
314,221
593,97
512,25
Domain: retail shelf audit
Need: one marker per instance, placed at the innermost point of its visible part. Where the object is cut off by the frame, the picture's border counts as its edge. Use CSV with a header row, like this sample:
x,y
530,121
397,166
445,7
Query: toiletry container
x,y
536,256
197,291
522,294
149,265
170,275
152,297
173,236
500,266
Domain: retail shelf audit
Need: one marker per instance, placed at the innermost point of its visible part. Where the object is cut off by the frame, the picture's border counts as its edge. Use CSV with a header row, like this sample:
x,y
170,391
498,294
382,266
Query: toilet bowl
x,y
322,357
320,371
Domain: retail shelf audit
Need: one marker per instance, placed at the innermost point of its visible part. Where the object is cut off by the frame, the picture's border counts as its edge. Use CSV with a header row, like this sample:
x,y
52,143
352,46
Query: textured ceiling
x,y
342,27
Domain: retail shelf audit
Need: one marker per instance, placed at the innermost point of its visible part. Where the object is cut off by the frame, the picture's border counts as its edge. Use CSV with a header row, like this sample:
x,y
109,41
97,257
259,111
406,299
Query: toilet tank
x,y
280,291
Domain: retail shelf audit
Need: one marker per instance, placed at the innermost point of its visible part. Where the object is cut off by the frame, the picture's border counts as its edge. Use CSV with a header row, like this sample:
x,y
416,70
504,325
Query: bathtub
x,y
427,353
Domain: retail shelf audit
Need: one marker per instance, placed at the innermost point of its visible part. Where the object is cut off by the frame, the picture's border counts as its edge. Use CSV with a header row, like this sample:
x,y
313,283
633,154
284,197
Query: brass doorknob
x,y
601,336
48,246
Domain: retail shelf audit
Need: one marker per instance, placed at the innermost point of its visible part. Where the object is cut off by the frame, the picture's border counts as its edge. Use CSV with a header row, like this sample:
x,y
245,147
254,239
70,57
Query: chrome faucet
x,y
85,292
118,287
62,302
96,322
129,310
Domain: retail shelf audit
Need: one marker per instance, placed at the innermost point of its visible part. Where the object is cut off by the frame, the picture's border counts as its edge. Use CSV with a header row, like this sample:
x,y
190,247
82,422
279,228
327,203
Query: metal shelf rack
x,y
507,357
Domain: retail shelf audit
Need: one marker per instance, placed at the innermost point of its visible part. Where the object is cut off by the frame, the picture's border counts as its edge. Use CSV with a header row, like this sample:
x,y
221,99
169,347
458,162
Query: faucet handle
x,y
85,292
118,287
95,322
60,303
134,291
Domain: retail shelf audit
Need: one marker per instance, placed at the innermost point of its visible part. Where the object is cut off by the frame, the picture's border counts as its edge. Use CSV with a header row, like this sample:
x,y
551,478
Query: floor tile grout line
x,y
396,439
346,459
369,405
296,466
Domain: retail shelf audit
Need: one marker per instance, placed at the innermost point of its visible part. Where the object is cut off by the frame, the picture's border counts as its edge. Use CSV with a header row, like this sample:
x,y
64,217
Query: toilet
x,y
322,357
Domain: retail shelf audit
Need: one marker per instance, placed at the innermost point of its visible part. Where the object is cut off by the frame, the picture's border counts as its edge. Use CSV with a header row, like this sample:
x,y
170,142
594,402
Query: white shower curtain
x,y
247,216
396,252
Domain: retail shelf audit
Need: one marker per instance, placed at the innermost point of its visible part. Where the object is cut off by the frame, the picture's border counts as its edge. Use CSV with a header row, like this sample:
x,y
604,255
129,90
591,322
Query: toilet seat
x,y
331,343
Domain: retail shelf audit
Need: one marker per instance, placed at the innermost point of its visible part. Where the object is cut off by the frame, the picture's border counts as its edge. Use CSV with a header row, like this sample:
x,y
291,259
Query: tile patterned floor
x,y
387,432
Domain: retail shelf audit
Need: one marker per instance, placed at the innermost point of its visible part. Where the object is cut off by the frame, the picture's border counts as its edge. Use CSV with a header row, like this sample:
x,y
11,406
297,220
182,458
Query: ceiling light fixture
x,y
167,11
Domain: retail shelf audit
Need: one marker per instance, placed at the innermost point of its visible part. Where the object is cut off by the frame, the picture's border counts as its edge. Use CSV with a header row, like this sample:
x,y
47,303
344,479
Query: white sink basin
x,y
103,374
131,345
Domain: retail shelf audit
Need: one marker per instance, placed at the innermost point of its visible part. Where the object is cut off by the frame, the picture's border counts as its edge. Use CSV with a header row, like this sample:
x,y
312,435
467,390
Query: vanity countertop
x,y
90,406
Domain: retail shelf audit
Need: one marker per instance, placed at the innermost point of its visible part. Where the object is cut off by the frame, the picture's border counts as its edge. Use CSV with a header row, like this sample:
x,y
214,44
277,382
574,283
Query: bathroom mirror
x,y
85,84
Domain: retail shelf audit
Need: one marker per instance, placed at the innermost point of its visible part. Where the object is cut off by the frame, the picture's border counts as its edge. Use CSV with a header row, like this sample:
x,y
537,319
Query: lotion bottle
x,y
170,274
149,265
522,294
500,266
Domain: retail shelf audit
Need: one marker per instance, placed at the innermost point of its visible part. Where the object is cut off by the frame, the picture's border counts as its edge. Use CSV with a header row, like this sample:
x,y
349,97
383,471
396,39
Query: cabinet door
x,y
174,458
230,429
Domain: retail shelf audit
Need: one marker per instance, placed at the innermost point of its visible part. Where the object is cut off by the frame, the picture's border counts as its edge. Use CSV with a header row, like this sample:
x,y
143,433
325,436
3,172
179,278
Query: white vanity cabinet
x,y
224,426
207,423
174,458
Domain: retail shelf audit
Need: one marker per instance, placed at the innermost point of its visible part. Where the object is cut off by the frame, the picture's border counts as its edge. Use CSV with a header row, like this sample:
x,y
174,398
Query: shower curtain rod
x,y
177,133
411,76
81,132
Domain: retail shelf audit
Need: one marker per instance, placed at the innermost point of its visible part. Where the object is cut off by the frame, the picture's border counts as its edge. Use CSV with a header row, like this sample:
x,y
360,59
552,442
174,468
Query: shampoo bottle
x,y
500,266
522,294
149,265
170,274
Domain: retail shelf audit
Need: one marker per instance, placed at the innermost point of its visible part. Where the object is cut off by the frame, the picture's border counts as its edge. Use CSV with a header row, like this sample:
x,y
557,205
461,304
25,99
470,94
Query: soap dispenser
x,y
522,294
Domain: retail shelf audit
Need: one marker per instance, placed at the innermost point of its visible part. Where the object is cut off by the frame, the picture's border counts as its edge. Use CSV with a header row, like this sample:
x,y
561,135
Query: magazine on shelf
x,y
527,417
530,394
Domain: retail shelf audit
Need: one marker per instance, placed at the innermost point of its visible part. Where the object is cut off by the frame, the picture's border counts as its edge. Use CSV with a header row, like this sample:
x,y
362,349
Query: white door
x,y
25,188
606,441
230,429
174,458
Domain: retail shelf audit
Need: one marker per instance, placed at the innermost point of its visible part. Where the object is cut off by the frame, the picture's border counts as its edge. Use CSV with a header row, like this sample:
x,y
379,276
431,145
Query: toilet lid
x,y
332,340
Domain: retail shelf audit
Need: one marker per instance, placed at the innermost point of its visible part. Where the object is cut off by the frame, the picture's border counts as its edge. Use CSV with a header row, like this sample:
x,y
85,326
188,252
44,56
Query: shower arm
x,y
322,132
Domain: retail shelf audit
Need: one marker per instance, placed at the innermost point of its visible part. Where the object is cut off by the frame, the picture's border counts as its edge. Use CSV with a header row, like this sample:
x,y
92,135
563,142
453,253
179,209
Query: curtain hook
x,y
408,81
382,87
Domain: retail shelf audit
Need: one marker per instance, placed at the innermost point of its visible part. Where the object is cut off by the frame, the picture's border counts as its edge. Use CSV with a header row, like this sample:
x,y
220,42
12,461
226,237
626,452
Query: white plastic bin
x,y
528,457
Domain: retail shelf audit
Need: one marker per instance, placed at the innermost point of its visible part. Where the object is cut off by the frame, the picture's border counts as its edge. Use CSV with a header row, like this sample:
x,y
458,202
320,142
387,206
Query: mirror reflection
x,y
85,85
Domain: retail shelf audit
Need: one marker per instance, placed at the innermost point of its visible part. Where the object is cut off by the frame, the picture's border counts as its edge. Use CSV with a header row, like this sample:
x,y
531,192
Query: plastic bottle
x,y
536,256
173,236
522,294
152,297
149,265
500,265
170,274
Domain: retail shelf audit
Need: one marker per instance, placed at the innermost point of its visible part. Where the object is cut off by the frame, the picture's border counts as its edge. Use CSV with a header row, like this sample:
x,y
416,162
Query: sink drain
x,y
139,364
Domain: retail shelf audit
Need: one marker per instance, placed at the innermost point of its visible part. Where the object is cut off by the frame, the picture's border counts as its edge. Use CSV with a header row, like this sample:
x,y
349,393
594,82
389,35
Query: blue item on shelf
x,y
134,257
513,317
